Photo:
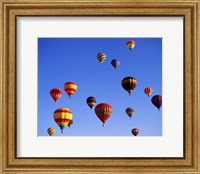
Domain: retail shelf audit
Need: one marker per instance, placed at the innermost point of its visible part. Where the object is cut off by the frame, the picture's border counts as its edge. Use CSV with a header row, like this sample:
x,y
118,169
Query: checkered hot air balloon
x,y
91,101
129,111
62,117
101,57
51,131
157,101
129,84
130,44
115,63
103,112
135,131
148,91
56,93
70,88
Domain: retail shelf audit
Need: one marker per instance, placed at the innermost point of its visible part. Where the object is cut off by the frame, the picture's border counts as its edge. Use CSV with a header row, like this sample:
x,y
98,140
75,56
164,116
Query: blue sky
x,y
74,59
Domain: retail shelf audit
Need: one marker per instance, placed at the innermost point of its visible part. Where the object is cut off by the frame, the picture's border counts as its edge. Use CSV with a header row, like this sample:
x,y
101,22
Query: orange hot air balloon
x,y
62,117
103,111
148,91
70,88
56,93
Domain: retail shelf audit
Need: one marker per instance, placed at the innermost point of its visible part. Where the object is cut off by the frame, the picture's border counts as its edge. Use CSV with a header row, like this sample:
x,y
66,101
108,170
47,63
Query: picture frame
x,y
10,9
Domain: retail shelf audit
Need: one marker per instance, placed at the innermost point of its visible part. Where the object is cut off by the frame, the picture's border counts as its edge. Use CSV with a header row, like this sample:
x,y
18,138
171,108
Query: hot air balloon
x,y
148,91
101,57
135,131
70,123
56,93
115,63
91,101
157,101
103,111
130,44
129,111
70,88
62,117
51,131
129,83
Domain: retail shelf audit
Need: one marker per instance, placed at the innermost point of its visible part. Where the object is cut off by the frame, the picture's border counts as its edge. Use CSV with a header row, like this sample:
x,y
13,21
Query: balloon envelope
x,y
130,44
51,131
62,117
129,84
103,111
115,63
101,57
135,131
148,91
129,111
56,93
70,88
157,101
91,101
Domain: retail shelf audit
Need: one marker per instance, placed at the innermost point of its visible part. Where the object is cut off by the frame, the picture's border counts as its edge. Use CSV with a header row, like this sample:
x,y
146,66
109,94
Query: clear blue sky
x,y
74,59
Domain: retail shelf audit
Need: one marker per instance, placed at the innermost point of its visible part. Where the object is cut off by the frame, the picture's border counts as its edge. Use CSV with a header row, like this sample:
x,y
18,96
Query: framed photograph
x,y
99,86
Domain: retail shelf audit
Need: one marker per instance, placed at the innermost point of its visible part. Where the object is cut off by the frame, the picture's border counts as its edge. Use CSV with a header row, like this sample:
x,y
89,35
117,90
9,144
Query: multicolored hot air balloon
x,y
129,111
70,123
62,117
70,88
91,101
103,111
129,83
135,131
101,57
148,91
115,63
51,131
130,44
157,101
56,93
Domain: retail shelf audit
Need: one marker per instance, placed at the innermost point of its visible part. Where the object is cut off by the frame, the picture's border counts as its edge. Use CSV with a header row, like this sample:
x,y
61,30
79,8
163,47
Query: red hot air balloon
x,y
135,131
157,101
56,93
103,111
148,91
130,44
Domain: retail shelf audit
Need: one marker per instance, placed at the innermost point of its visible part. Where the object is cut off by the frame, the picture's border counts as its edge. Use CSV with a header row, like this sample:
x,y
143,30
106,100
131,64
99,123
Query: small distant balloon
x,y
91,101
157,101
135,131
62,117
129,111
101,57
56,93
70,123
130,44
129,84
103,112
70,88
115,63
148,91
51,131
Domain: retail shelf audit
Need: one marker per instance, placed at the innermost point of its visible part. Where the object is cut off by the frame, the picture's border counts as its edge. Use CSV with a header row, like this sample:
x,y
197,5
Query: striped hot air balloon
x,y
103,112
51,131
135,131
157,101
62,117
148,91
130,44
56,93
91,101
115,63
129,111
70,88
101,57
129,84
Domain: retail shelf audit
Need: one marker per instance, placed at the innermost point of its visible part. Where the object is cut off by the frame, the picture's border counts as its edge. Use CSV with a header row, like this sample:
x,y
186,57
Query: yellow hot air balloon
x,y
62,117
51,131
70,88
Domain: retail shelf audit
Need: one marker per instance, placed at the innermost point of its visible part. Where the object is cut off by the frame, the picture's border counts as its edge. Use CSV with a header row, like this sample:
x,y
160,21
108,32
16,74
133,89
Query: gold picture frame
x,y
10,9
